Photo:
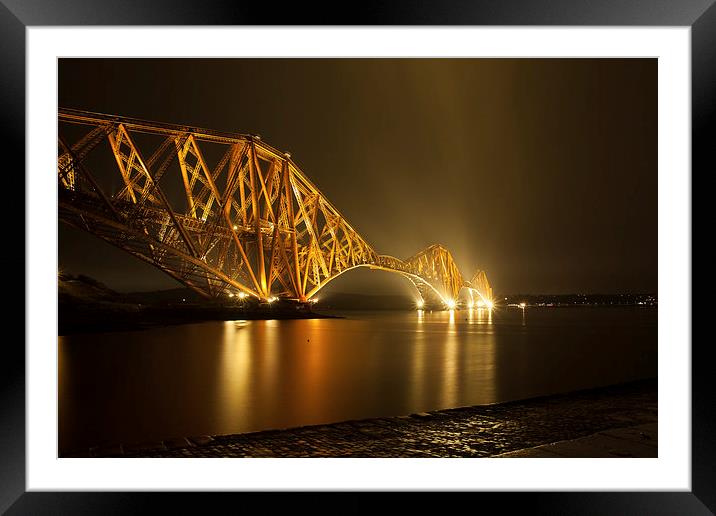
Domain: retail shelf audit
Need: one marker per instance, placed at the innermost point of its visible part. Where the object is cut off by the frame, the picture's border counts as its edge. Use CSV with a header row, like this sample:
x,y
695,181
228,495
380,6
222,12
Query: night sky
x,y
543,172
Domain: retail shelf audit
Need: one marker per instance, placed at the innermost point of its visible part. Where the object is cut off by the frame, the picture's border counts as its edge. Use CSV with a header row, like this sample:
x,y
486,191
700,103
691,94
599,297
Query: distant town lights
x,y
522,305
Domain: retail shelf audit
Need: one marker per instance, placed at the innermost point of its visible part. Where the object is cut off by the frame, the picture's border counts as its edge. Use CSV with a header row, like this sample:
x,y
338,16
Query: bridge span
x,y
253,224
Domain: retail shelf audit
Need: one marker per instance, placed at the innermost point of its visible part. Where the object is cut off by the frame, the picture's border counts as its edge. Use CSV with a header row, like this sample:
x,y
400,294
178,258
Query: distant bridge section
x,y
251,223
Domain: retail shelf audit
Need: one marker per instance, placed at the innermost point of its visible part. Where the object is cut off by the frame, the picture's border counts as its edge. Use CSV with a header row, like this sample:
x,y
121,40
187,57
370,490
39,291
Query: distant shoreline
x,y
88,306
78,318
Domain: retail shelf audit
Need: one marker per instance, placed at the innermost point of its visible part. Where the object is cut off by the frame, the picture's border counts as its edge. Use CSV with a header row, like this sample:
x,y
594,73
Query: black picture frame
x,y
17,15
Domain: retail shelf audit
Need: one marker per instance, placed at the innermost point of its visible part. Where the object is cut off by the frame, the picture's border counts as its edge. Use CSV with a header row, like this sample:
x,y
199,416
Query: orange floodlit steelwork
x,y
254,224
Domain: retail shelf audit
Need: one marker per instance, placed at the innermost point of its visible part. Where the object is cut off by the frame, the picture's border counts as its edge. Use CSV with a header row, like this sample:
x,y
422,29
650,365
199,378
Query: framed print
x,y
413,249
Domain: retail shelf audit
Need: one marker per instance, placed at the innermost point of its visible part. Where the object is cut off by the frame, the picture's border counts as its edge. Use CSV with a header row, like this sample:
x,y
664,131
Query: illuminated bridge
x,y
251,225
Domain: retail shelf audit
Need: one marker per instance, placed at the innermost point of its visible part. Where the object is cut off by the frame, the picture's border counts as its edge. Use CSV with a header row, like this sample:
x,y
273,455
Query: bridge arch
x,y
435,295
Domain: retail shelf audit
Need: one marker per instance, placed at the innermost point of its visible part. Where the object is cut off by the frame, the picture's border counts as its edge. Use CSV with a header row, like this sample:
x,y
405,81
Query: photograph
x,y
392,257
408,248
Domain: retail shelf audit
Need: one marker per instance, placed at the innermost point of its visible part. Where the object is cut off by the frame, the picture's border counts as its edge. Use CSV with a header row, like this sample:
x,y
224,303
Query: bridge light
x,y
420,303
314,300
480,303
489,304
236,227
242,295
231,294
523,305
451,304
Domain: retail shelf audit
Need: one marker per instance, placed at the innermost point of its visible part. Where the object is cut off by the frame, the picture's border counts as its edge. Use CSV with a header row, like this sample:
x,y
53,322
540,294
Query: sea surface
x,y
242,376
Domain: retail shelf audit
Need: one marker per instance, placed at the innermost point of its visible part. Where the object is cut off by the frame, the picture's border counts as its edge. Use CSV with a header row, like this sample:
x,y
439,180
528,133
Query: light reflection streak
x,y
271,339
316,367
233,381
450,369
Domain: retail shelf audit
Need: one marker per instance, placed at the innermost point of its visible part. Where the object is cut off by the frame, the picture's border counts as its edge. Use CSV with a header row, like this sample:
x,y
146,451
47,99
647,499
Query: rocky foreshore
x,y
622,414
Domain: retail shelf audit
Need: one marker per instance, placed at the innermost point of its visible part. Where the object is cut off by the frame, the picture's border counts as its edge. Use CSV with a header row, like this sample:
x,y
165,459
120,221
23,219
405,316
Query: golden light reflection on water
x,y
314,370
454,353
233,382
242,376
479,315
275,370
302,370
267,333
450,366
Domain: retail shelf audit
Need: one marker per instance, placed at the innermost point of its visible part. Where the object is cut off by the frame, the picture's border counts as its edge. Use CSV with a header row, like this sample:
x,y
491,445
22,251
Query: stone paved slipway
x,y
479,431
633,441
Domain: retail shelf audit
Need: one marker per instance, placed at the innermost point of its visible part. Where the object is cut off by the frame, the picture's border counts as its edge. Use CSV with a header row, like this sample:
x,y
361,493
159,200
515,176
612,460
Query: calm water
x,y
239,376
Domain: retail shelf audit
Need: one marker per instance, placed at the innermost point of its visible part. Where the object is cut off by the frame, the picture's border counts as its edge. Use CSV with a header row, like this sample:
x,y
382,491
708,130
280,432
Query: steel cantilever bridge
x,y
253,224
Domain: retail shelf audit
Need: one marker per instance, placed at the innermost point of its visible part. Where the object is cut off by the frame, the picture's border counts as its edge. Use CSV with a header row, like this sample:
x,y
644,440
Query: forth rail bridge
x,y
253,225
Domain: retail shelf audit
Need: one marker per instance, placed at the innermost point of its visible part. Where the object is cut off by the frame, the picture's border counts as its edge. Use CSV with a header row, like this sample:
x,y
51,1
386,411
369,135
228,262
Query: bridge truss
x,y
252,224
